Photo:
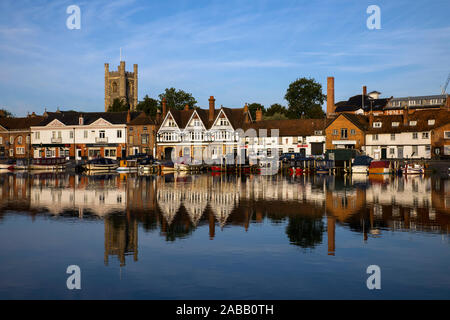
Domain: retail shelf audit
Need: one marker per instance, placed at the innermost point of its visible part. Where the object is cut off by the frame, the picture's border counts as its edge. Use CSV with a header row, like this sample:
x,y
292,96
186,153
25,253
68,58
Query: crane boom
x,y
444,88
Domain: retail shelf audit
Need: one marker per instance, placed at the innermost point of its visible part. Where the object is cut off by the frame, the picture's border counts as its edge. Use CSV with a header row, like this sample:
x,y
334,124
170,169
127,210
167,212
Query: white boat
x,y
413,169
181,167
361,165
360,169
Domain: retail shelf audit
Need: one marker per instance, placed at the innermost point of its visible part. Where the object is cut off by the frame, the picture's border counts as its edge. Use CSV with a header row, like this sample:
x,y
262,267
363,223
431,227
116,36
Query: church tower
x,y
121,84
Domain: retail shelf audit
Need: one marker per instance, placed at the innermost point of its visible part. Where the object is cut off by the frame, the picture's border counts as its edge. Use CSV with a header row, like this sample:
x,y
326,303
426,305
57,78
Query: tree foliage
x,y
148,105
305,98
276,108
177,99
118,105
5,113
275,116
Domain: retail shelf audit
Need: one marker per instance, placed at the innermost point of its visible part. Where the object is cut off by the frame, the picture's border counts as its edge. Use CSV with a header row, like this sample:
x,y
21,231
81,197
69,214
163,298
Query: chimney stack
x,y
212,107
186,107
364,91
164,110
247,118
405,113
330,97
259,114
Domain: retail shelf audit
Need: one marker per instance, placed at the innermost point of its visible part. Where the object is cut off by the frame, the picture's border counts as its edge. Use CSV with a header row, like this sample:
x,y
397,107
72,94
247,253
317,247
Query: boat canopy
x,y
379,164
362,161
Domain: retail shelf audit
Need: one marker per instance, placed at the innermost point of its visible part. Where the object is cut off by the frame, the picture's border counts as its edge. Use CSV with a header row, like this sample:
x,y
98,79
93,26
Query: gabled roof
x,y
361,121
291,127
71,118
20,123
235,116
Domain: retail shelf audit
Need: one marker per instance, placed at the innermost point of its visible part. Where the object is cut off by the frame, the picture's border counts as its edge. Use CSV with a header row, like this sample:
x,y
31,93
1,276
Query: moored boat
x,y
48,164
128,165
167,166
380,167
361,164
413,169
101,164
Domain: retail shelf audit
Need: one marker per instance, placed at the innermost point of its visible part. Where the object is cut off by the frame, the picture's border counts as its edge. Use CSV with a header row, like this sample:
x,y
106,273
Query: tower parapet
x,y
121,84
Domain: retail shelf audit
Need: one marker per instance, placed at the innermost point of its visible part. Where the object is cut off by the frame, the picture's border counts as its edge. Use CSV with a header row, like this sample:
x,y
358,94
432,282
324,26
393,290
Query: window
x,y
71,134
343,133
414,151
223,122
318,132
119,133
59,134
28,139
19,140
412,123
85,134
131,129
144,138
11,140
353,132
11,152
1,140
197,123
20,150
447,134
291,150
425,135
171,123
377,124
414,135
37,135
392,136
375,137
145,128
391,151
395,124
431,122
101,134
335,132
428,149
130,139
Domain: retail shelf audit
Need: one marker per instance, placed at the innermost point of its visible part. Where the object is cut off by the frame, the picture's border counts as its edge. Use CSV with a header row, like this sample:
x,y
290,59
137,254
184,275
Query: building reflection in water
x,y
175,205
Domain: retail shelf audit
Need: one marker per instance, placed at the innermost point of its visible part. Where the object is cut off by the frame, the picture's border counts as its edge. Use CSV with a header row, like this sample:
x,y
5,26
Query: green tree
x,y
253,107
274,109
177,99
275,116
5,113
148,105
305,98
118,105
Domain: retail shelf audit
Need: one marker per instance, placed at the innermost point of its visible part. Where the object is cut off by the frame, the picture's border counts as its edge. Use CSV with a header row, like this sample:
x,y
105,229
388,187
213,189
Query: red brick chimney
x,y
247,118
186,107
364,91
212,107
128,116
164,110
405,114
259,114
370,119
330,97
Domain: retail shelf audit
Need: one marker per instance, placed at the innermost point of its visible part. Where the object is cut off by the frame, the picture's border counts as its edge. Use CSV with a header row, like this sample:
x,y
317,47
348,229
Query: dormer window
x,y
431,122
377,124
412,123
395,124
318,132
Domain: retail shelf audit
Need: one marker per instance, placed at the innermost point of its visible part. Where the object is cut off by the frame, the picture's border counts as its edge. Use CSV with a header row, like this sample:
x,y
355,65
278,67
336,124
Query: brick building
x,y
141,136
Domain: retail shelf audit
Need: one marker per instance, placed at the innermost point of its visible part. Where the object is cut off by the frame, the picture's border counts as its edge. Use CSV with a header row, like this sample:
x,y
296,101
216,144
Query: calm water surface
x,y
223,237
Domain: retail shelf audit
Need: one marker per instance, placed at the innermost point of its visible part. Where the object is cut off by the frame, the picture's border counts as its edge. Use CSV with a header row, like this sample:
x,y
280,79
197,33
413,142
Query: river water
x,y
223,237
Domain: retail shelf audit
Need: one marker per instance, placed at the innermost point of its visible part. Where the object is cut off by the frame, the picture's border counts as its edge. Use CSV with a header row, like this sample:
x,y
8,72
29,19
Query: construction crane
x,y
444,88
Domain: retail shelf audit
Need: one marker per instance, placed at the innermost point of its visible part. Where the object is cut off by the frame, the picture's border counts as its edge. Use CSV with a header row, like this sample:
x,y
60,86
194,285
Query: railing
x,y
101,140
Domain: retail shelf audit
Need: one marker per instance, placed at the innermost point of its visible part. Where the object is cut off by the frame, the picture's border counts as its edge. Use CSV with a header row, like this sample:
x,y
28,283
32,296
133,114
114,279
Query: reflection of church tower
x,y
121,84
121,238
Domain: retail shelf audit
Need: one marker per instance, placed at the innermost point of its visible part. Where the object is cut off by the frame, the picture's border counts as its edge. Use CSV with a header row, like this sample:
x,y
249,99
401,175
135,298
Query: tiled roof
x,y
20,123
142,119
440,117
356,102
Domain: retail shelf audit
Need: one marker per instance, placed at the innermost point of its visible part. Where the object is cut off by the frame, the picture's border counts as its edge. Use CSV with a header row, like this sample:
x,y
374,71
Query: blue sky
x,y
238,51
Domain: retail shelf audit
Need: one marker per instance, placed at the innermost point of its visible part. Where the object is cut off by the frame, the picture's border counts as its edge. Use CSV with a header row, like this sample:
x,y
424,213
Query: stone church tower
x,y
121,84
